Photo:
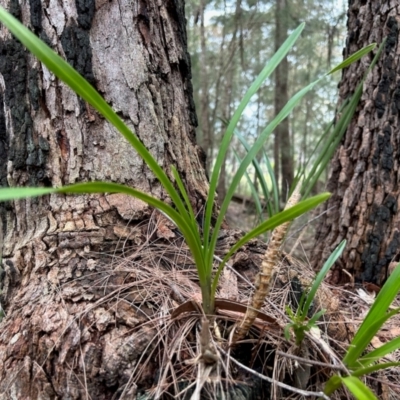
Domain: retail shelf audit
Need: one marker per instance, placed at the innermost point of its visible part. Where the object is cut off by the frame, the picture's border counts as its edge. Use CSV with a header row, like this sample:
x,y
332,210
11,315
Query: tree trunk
x,y
282,148
207,135
65,335
364,177
226,96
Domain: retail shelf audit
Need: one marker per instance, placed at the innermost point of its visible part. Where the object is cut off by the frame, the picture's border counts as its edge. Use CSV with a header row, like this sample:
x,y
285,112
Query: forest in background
x,y
229,43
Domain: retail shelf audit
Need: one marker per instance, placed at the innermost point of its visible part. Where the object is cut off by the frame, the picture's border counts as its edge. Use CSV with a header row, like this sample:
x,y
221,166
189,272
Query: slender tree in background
x,y
282,144
65,334
226,97
207,137
365,172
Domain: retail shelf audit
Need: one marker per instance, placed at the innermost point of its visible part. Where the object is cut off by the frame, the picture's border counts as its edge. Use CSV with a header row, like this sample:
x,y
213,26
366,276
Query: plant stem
x,y
208,300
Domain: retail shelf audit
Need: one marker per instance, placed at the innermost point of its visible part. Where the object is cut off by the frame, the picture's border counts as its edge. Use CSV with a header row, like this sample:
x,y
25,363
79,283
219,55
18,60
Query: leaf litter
x,y
175,357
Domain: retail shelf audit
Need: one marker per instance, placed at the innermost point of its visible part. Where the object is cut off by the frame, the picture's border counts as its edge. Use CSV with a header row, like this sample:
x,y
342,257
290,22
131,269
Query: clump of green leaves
x,y
201,245
300,324
355,360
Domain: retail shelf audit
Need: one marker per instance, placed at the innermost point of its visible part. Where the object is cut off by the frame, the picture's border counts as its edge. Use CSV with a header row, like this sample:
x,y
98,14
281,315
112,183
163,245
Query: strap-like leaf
x,y
358,389
265,73
374,320
278,219
389,347
354,57
320,277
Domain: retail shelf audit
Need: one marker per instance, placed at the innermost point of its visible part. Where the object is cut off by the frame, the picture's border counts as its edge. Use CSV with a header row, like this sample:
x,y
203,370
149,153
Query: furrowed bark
x,y
364,177
66,333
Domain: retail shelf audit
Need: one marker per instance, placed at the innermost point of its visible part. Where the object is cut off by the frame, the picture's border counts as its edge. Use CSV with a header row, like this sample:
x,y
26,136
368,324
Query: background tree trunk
x,y
226,98
282,148
365,172
56,340
207,135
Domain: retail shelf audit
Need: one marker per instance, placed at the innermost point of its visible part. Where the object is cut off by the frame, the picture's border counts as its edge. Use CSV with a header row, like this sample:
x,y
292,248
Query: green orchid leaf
x,y
358,389
375,318
316,317
278,219
320,277
18,193
353,58
333,384
252,154
375,355
272,204
265,73
330,142
374,368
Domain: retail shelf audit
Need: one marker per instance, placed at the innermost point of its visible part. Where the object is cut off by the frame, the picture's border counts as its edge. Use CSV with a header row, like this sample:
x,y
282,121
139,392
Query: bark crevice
x,y
364,176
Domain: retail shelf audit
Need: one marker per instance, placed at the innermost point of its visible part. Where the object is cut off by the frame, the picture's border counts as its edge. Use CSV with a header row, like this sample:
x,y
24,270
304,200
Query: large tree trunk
x,y
64,334
365,172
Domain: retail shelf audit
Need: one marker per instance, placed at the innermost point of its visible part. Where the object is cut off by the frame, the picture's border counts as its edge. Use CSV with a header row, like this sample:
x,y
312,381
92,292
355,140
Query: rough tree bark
x,y
365,171
134,52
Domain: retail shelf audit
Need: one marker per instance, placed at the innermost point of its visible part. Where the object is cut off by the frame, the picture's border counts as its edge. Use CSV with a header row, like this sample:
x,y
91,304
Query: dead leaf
x,y
376,342
228,285
369,298
222,304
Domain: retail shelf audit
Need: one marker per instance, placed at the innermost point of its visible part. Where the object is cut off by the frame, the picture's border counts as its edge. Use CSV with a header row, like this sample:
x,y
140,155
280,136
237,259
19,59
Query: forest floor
x,y
299,240
187,358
